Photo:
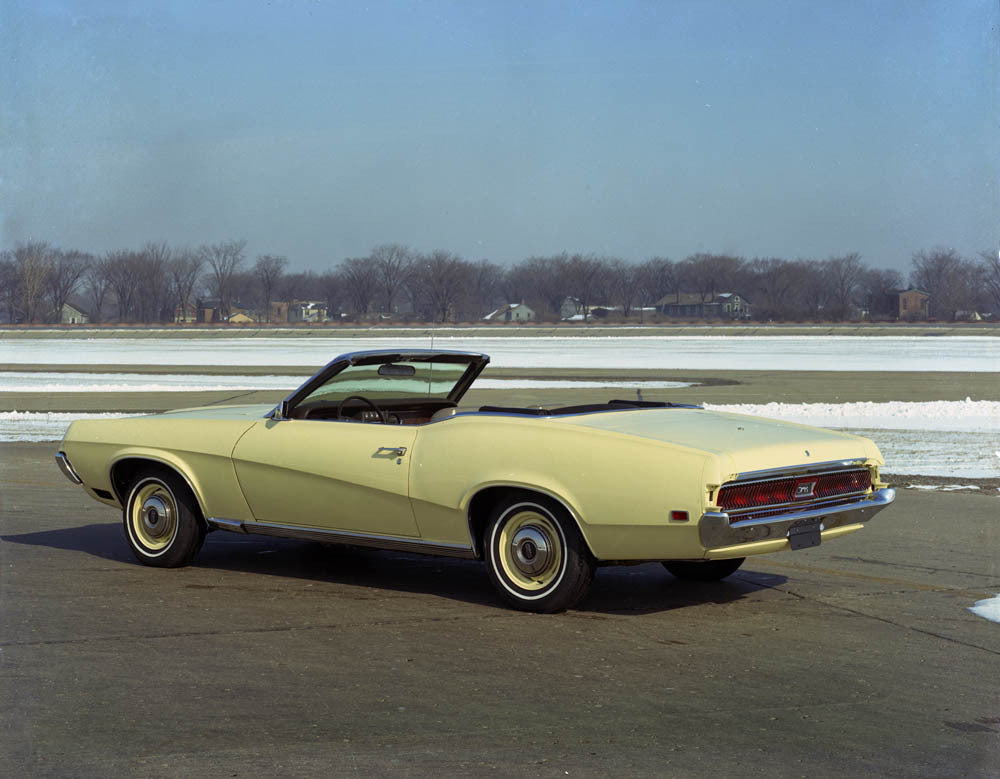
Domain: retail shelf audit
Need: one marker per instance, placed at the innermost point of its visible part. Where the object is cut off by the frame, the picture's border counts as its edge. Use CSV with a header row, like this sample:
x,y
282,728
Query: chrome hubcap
x,y
532,550
157,516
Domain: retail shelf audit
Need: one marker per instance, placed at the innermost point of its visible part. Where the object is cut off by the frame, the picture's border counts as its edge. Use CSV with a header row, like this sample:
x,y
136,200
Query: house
x,y
512,312
910,303
306,311
570,308
73,315
725,305
279,311
240,318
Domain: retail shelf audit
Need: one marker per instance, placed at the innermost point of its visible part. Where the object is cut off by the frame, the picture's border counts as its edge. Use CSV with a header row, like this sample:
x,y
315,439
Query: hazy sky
x,y
501,130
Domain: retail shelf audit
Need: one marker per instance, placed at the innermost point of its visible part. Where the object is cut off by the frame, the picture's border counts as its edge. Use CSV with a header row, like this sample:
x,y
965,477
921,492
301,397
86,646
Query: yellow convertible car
x,y
374,450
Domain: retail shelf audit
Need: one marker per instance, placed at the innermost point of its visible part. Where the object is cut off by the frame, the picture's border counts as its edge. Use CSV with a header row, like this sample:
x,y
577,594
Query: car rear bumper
x,y
716,529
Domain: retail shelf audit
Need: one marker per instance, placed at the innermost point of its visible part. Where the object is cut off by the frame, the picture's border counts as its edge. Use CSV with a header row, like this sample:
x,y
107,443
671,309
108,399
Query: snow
x,y
840,353
42,426
946,415
52,381
987,609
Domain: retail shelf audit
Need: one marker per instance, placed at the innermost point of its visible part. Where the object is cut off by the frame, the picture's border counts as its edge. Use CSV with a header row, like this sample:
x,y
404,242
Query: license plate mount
x,y
805,533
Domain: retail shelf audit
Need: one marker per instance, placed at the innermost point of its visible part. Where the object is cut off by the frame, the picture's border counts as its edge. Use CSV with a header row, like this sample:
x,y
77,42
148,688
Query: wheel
x,y
163,524
703,570
376,409
535,555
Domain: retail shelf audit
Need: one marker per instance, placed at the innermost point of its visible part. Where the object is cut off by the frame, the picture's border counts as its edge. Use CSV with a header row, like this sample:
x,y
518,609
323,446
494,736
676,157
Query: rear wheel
x,y
703,570
163,524
535,555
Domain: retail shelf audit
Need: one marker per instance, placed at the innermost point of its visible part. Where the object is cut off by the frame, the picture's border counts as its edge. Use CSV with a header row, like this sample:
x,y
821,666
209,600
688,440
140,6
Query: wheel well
x,y
124,473
482,504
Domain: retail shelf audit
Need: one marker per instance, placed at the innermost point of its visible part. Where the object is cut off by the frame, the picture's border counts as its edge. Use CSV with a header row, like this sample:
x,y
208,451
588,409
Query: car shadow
x,y
616,590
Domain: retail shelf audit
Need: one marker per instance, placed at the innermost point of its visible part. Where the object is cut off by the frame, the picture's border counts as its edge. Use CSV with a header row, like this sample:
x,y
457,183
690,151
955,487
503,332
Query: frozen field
x,y
52,381
842,353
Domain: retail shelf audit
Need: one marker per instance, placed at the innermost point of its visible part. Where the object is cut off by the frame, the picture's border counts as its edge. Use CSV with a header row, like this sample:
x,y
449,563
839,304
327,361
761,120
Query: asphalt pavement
x,y
280,658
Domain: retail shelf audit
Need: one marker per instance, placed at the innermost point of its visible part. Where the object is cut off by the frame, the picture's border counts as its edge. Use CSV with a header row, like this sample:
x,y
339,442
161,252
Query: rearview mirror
x,y
391,369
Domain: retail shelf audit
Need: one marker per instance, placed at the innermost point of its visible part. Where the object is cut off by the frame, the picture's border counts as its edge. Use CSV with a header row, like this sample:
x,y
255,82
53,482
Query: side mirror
x,y
282,411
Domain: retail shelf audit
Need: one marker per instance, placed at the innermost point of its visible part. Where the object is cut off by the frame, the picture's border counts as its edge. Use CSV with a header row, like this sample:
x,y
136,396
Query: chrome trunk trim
x,y
716,530
394,543
792,470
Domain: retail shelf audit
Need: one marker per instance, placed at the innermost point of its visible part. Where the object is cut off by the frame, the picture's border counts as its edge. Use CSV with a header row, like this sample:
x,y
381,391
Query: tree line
x,y
151,284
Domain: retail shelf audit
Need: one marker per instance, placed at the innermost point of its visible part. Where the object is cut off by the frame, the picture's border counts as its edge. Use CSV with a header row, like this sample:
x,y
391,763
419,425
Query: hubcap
x,y
156,516
153,517
531,550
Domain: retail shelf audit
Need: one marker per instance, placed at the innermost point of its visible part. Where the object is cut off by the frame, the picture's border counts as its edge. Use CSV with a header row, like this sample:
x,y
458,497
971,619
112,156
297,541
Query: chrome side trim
x,y
394,543
716,530
64,465
790,470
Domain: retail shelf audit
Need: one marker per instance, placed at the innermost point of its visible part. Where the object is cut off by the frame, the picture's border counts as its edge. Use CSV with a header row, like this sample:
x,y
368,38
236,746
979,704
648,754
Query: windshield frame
x,y
476,363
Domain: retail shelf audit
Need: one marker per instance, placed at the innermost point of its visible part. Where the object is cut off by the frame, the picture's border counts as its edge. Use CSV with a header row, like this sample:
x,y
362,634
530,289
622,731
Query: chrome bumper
x,y
716,530
67,469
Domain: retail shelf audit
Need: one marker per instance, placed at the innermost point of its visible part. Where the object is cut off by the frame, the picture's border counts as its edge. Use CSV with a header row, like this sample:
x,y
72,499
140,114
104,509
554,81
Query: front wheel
x,y
535,555
703,570
163,524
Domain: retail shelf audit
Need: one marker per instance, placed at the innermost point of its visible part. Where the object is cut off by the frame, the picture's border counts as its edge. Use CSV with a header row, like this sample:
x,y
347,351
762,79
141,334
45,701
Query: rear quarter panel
x,y
620,488
199,449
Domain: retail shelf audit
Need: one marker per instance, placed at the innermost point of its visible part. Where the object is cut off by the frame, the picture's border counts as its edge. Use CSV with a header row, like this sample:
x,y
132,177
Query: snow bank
x,y
988,609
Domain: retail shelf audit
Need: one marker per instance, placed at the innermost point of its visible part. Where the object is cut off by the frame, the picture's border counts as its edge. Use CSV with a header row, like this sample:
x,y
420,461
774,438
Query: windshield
x,y
401,379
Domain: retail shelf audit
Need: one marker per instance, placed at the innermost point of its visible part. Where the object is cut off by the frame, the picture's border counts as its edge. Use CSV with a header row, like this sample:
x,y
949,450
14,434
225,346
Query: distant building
x,y
911,303
279,311
512,312
307,311
726,305
73,315
240,318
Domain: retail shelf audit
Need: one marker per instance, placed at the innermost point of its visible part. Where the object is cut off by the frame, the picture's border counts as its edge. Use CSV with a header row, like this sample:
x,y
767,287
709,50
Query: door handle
x,y
395,451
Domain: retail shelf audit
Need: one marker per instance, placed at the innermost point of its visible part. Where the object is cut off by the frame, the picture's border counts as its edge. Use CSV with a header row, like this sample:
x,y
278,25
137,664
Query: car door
x,y
332,475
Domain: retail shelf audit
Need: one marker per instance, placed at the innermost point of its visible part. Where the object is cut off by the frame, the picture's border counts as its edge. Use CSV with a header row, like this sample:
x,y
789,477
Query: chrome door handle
x,y
396,451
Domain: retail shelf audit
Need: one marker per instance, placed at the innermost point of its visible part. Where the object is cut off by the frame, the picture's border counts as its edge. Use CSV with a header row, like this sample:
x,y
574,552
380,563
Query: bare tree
x,y
65,270
485,290
953,283
660,277
440,278
153,298
843,277
332,286
360,283
268,270
33,262
393,265
8,286
224,261
96,284
124,274
990,262
183,271
711,274
626,284
876,288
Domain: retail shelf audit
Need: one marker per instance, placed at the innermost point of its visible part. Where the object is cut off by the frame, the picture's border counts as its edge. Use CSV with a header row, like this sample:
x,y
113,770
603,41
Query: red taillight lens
x,y
779,491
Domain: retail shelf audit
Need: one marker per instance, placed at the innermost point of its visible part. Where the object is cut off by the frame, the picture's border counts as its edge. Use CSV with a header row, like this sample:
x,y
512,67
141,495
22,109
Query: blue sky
x,y
503,130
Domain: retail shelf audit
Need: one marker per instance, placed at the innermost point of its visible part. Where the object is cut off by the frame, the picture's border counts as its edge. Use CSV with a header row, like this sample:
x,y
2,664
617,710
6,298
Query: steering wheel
x,y
376,409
